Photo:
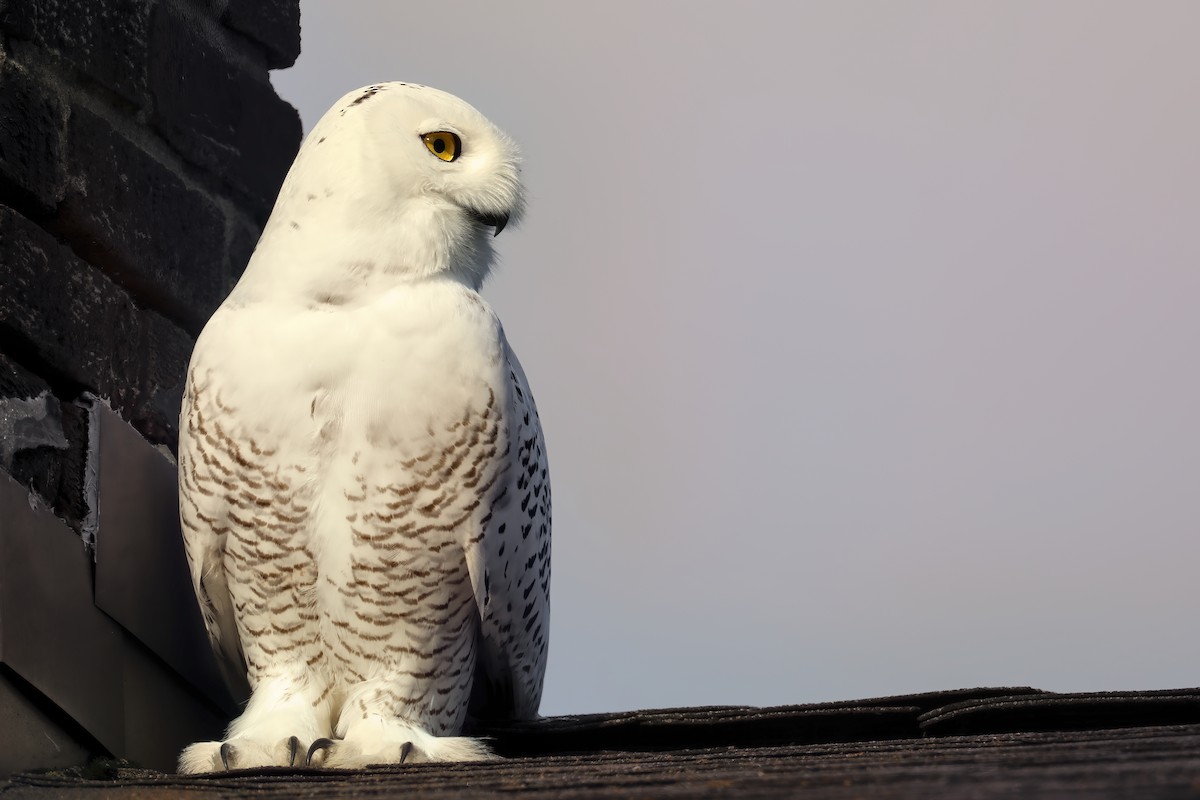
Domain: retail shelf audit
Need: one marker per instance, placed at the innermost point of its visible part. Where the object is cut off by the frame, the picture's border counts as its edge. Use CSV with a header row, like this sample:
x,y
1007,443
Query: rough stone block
x,y
142,224
87,332
105,39
219,112
274,24
32,133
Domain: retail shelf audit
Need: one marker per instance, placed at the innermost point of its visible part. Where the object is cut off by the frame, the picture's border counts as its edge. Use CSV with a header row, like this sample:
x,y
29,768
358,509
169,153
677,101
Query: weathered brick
x,y
32,133
162,352
274,24
219,112
105,39
243,238
30,422
18,382
137,219
87,332
43,442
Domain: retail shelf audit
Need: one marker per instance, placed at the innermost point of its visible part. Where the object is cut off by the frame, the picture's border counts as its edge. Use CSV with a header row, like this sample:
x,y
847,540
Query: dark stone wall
x,y
141,149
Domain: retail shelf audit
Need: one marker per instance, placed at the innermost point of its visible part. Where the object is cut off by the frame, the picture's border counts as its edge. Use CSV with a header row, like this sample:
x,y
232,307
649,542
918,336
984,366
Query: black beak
x,y
497,221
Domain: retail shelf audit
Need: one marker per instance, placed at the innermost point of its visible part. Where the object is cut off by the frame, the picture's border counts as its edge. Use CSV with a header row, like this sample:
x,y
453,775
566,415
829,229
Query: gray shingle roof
x,y
966,744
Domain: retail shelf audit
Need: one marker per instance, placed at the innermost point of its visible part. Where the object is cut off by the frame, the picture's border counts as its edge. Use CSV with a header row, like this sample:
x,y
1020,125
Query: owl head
x,y
407,176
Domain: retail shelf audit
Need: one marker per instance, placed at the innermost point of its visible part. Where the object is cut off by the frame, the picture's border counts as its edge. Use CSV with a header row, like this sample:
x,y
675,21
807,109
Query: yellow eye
x,y
443,144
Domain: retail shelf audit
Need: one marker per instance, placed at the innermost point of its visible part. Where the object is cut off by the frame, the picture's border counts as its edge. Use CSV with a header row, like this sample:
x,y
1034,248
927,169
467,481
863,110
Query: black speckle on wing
x,y
516,609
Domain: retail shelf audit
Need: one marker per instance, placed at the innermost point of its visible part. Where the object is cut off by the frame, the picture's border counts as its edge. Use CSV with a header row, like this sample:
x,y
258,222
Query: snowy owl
x,y
363,485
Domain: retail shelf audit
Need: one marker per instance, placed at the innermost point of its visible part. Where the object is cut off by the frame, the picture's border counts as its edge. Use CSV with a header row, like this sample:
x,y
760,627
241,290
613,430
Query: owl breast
x,y
364,470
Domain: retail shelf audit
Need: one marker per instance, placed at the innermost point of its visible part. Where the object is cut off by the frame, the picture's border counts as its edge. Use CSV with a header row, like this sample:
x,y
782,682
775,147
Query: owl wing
x,y
204,537
509,562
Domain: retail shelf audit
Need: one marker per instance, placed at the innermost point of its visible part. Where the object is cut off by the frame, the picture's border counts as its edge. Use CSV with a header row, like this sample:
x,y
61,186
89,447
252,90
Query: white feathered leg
x,y
284,717
392,740
369,731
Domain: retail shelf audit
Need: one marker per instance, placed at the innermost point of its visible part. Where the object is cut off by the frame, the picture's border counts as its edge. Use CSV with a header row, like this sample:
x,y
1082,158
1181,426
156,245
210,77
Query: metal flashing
x,y
51,633
142,576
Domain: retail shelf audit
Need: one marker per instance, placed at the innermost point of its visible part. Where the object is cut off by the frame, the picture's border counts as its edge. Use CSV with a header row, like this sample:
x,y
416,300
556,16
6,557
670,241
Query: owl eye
x,y
443,144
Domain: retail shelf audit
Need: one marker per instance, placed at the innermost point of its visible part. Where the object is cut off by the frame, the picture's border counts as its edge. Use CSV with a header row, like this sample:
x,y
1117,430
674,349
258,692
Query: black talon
x,y
316,747
405,749
226,753
293,746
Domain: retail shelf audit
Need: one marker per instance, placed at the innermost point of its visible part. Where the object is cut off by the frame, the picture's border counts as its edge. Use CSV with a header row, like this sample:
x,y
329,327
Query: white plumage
x,y
363,484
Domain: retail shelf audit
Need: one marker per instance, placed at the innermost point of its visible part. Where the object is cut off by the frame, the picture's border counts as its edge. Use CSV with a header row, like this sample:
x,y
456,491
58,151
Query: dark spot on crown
x,y
370,92
295,225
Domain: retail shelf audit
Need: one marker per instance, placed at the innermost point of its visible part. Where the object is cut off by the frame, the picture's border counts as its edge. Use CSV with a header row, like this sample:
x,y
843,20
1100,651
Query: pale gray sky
x,y
864,334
